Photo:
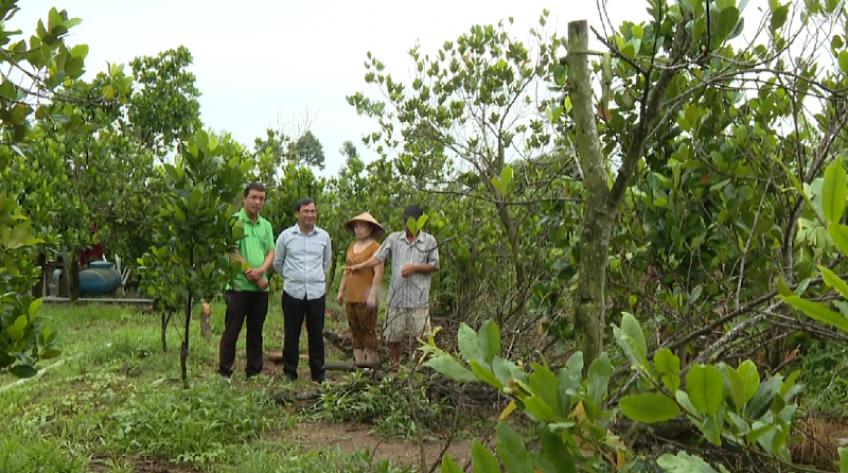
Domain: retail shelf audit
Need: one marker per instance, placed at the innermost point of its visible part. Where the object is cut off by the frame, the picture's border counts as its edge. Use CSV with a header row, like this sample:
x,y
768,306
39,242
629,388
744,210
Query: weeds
x,y
385,405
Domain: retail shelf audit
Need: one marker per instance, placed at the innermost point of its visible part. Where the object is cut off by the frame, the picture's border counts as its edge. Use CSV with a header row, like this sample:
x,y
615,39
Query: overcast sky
x,y
257,60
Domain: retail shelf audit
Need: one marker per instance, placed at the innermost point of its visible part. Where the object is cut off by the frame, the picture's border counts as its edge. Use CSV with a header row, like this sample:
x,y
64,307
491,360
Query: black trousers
x,y
294,311
241,305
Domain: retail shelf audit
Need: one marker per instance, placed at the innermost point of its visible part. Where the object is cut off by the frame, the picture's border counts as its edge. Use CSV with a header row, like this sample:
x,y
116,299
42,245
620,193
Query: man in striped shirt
x,y
414,258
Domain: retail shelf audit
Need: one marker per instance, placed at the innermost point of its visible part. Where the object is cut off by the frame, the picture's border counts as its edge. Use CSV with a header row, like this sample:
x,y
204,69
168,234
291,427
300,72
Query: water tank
x,y
99,279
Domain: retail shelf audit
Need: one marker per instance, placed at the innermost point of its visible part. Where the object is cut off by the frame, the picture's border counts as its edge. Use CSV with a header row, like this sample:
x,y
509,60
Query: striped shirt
x,y
303,259
411,292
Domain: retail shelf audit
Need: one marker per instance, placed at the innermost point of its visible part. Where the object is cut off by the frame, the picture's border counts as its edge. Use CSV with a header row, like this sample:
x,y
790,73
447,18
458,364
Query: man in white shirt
x,y
303,255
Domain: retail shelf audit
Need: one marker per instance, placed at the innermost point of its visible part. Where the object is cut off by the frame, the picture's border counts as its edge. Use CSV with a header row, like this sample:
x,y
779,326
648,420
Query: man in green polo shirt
x,y
247,294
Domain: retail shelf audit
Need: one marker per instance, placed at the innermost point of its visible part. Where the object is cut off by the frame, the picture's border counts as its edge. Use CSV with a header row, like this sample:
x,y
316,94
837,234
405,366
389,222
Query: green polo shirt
x,y
257,242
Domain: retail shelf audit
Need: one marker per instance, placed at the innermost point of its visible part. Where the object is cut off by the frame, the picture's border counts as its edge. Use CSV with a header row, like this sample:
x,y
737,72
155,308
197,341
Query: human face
x,y
307,215
253,202
362,230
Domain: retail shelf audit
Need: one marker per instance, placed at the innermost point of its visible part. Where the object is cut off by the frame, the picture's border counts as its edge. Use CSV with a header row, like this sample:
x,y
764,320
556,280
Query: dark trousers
x,y
294,311
241,305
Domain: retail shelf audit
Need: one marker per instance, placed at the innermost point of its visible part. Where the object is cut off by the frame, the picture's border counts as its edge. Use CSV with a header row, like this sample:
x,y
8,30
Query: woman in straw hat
x,y
360,291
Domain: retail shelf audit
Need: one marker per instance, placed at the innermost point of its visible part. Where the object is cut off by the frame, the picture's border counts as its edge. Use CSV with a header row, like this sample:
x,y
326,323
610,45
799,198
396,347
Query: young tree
x,y
196,229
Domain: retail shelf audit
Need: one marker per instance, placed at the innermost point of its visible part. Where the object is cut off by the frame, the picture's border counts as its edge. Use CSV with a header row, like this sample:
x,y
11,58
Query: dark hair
x,y
413,211
253,186
302,202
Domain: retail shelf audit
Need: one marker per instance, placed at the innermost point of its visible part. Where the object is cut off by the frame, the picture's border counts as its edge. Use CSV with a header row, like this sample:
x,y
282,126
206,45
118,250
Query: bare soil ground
x,y
351,438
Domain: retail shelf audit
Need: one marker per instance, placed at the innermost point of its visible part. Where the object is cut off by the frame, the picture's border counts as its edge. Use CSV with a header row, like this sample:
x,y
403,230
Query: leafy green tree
x,y
307,151
167,108
196,229
40,110
349,151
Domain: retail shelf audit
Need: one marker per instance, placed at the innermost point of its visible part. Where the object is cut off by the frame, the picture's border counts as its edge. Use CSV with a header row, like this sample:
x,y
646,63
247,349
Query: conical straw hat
x,y
378,232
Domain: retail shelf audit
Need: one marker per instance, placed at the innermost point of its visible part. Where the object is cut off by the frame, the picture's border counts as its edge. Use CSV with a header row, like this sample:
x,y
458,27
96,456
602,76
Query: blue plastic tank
x,y
99,279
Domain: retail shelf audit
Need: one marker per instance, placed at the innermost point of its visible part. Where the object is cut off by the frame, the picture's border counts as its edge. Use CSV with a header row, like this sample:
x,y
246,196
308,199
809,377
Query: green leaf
x,y
649,408
23,371
727,20
632,340
668,365
467,341
839,233
19,235
489,340
783,288
761,402
843,460
484,460
80,51
843,61
598,377
51,353
506,178
750,378
831,279
449,367
543,383
684,463
54,19
666,362
512,451
449,465
705,387
779,16
505,370
8,91
537,406
34,306
834,191
554,450
485,375
570,380
736,386
818,312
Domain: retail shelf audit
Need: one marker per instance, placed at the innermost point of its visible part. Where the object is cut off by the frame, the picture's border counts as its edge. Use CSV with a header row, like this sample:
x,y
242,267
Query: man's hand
x,y
262,283
354,267
409,270
253,274
373,301
340,298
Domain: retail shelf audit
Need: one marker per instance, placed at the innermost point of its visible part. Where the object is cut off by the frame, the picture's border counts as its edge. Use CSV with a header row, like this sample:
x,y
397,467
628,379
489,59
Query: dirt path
x,y
351,438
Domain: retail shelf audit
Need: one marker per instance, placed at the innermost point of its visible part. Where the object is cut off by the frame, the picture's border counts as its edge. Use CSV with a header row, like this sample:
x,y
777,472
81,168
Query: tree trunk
x,y
166,317
602,203
39,289
75,279
517,261
184,347
332,275
206,321
589,302
64,282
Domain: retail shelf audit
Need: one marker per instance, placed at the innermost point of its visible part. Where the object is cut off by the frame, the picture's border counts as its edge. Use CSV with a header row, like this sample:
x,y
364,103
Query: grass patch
x,y
114,398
